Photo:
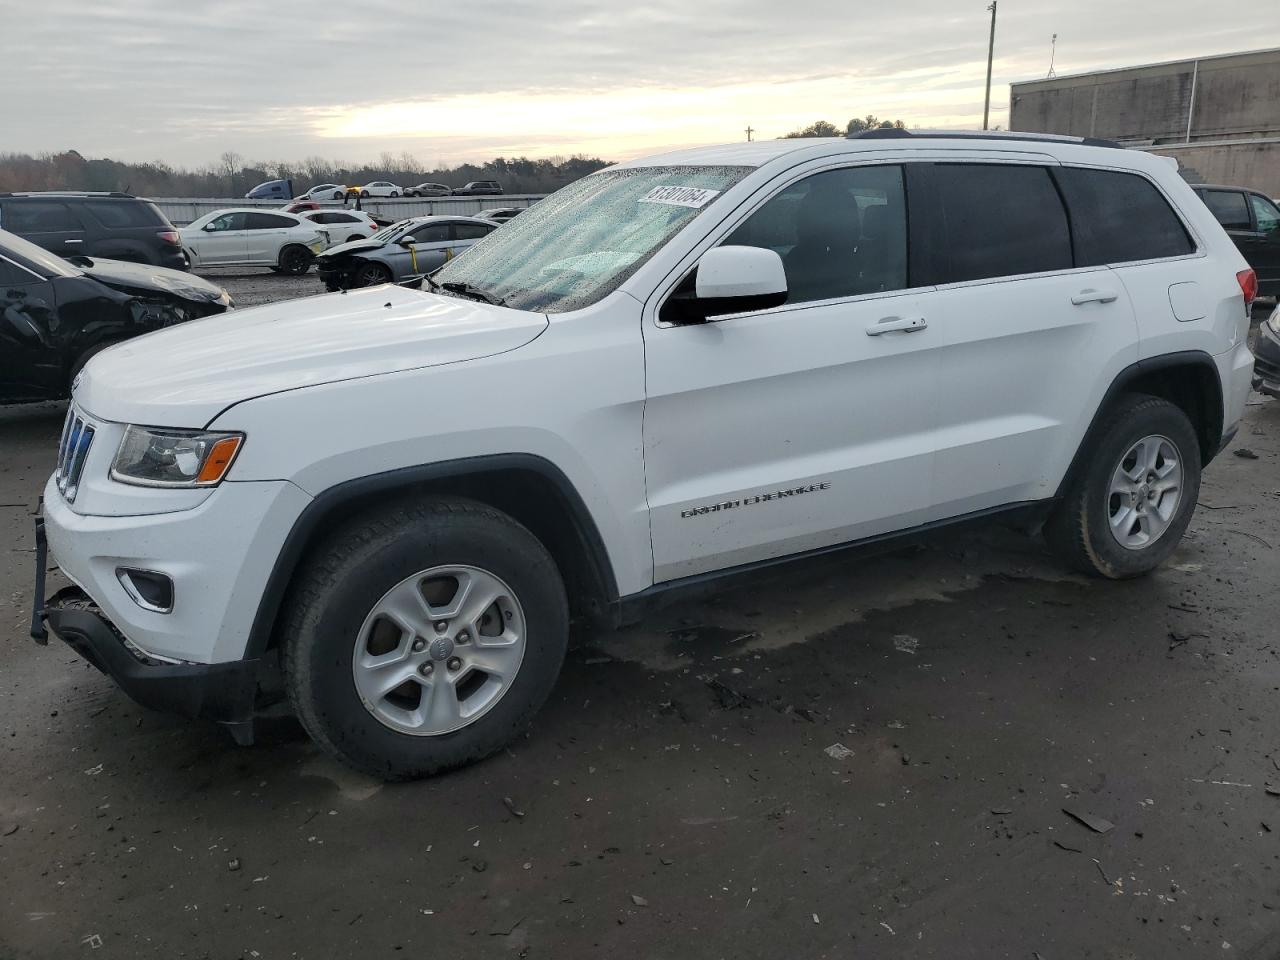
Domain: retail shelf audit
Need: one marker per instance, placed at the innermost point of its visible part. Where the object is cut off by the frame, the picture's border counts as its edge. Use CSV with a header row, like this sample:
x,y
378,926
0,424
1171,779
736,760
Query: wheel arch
x,y
1188,379
529,488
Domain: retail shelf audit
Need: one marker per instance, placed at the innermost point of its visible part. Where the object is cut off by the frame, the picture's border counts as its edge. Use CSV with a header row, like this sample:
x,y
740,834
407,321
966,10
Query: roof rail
x,y
68,193
896,133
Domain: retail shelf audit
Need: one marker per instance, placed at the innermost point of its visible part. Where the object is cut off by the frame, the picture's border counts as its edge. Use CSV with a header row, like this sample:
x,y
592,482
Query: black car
x,y
479,188
55,314
1253,221
1266,356
113,225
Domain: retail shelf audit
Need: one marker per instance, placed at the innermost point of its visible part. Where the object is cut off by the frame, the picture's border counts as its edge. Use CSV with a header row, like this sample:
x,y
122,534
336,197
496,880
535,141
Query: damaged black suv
x,y
55,314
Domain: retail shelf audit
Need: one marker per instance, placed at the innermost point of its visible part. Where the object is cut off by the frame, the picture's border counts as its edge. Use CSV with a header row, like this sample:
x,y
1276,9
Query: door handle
x,y
890,324
73,241
1094,296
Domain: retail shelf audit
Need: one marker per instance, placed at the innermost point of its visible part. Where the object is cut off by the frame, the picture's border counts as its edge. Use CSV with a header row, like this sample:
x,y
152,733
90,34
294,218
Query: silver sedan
x,y
405,249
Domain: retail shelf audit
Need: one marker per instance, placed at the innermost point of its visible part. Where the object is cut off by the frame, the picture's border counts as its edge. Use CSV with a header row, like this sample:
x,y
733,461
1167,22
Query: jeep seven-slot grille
x,y
73,448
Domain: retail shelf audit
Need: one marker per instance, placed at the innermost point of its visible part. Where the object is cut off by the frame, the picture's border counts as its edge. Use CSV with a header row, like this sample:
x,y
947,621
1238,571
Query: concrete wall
x,y
1219,116
1254,164
1225,97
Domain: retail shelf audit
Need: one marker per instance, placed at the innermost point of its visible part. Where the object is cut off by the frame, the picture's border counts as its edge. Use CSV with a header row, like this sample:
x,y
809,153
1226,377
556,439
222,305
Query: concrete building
x,y
1219,116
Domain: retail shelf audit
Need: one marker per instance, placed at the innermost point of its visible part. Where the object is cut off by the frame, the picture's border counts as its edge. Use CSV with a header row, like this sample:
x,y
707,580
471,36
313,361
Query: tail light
x,y
1248,281
170,236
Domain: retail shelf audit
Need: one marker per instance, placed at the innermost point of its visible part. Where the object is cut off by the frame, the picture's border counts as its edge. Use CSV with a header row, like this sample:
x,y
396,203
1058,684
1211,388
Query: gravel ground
x,y
252,287
848,758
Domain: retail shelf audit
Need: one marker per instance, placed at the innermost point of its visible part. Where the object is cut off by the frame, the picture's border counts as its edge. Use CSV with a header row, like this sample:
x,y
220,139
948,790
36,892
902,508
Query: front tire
x,y
371,274
1127,508
394,194
364,194
338,195
423,636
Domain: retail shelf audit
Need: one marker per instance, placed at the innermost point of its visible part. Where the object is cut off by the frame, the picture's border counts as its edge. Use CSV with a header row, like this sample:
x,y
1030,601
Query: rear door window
x,y
999,220
269,221
1230,208
840,233
1119,217
40,216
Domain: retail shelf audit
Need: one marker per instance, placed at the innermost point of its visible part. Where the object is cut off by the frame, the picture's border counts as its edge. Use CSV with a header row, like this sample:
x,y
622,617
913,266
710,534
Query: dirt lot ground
x,y
680,796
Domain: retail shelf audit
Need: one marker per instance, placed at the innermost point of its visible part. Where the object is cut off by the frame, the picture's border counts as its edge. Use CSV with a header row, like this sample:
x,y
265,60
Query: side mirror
x,y
730,280
208,227
407,241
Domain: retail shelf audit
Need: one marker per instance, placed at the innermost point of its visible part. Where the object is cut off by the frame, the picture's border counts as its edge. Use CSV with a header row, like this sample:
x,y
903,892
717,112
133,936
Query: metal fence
x,y
182,211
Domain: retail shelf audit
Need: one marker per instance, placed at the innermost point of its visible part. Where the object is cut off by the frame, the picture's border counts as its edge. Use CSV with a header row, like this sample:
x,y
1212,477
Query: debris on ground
x,y
1244,453
10,830
1062,846
838,751
1001,811
511,805
1094,823
728,697
1272,790
905,643
233,864
638,900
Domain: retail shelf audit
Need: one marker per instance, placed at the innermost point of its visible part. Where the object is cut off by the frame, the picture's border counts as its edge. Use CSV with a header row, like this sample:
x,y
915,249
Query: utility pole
x,y
991,49
1053,54
750,131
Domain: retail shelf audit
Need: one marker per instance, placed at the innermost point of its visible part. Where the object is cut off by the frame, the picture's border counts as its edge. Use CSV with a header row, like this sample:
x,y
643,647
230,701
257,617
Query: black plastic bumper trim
x,y
223,692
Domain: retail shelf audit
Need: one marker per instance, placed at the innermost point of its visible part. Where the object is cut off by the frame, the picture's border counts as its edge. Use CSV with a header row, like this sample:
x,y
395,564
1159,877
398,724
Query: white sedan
x,y
381,188
251,236
342,225
324,191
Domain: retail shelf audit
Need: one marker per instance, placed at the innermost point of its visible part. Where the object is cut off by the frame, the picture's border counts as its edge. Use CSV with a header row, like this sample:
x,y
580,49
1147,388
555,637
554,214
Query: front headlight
x,y
156,457
1274,322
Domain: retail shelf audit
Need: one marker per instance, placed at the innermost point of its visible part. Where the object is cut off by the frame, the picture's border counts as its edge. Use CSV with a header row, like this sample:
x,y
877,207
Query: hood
x,y
351,246
137,276
184,376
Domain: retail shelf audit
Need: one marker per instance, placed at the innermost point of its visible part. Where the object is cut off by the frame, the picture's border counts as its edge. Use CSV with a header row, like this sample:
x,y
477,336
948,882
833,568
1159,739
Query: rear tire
x,y
338,195
365,685
294,261
364,194
1130,502
394,194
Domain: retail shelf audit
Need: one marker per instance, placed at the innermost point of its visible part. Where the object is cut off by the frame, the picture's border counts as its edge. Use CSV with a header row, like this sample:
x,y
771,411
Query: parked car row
x,y
376,188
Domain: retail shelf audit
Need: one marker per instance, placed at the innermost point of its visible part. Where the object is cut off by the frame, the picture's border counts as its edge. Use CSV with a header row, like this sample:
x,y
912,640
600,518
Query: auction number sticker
x,y
680,196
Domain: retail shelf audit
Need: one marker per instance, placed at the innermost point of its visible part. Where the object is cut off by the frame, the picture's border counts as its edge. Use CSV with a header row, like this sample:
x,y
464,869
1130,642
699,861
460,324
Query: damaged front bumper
x,y
221,692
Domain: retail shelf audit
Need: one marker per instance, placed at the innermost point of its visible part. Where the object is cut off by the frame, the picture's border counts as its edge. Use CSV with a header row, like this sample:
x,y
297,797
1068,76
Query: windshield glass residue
x,y
579,244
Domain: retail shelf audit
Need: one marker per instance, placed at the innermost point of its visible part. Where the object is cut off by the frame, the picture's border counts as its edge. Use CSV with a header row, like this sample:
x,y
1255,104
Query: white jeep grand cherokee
x,y
675,368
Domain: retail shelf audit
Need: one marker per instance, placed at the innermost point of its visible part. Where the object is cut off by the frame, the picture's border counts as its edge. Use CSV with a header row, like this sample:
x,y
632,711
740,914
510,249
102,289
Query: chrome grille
x,y
73,449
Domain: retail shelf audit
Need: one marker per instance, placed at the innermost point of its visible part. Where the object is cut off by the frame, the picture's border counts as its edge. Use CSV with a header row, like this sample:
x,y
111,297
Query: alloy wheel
x,y
439,650
1146,490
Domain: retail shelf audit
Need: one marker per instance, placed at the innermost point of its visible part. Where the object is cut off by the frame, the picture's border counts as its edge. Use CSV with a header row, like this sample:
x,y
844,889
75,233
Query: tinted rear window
x,y
1001,221
39,216
126,213
1119,217
1230,208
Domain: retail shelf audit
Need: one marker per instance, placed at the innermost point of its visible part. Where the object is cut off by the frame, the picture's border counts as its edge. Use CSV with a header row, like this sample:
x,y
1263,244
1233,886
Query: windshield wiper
x,y
472,291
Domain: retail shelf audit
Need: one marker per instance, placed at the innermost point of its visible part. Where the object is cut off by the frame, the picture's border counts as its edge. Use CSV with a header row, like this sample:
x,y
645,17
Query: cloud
x,y
141,79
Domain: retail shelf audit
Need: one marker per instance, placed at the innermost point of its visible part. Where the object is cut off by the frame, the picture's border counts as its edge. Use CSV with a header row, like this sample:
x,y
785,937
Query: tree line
x,y
823,128
233,176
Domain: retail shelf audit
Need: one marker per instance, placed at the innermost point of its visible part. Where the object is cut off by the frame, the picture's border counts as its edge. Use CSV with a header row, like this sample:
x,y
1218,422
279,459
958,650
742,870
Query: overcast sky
x,y
182,82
